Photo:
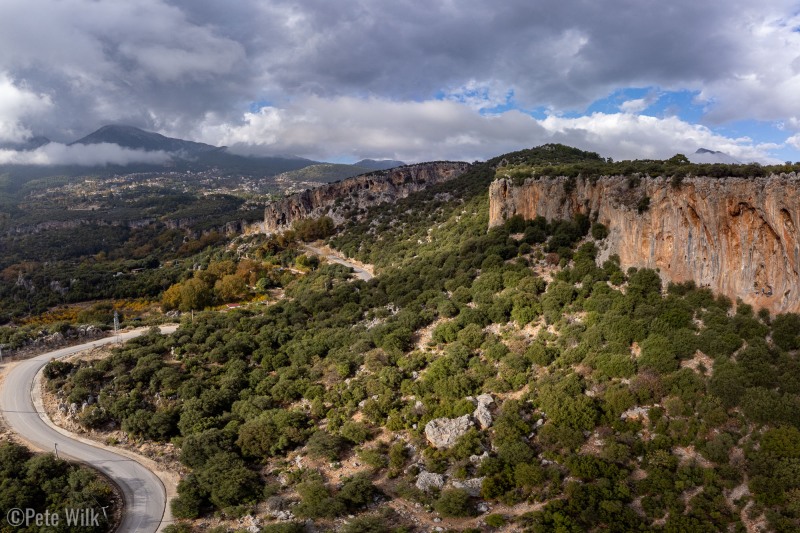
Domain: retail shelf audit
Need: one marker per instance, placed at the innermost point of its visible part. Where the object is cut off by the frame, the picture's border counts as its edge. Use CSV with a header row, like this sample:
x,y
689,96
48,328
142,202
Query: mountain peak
x,y
139,139
704,155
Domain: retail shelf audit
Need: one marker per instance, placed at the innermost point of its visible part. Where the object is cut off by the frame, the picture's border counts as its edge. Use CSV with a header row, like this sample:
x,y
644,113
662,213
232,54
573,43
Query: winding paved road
x,y
143,492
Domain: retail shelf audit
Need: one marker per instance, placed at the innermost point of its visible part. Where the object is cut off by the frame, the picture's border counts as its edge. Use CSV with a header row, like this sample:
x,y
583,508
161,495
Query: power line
x,y
23,412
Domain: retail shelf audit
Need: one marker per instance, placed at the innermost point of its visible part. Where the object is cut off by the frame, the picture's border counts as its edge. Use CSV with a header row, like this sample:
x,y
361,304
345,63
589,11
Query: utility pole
x,y
55,445
116,325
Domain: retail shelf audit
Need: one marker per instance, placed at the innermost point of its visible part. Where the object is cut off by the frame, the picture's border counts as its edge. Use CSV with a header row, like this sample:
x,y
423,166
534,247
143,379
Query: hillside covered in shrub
x,y
614,403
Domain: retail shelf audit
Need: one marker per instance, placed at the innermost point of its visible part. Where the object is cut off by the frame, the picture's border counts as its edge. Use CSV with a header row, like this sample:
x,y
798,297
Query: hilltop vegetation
x,y
567,162
617,404
328,172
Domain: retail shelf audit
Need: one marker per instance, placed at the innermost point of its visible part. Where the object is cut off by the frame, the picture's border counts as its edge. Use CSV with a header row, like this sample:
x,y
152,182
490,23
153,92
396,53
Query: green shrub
x,y
274,431
398,455
93,416
786,331
599,231
316,501
191,498
324,445
374,457
228,481
454,502
311,229
615,365
471,336
57,369
357,491
658,354
467,445
495,520
356,432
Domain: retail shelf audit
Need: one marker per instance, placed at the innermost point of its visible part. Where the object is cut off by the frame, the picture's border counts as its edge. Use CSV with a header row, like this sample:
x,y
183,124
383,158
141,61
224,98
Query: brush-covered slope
x,y
483,380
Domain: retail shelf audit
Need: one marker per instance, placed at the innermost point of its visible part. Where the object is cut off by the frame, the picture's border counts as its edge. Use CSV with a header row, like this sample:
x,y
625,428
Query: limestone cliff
x,y
737,236
338,199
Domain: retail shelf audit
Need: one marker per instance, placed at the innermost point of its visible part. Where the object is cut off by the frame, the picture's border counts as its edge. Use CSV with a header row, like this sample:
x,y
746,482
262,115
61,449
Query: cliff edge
x,y
342,200
737,236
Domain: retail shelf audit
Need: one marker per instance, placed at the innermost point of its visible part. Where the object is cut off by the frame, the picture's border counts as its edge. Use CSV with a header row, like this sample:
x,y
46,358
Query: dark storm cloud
x,y
553,52
139,62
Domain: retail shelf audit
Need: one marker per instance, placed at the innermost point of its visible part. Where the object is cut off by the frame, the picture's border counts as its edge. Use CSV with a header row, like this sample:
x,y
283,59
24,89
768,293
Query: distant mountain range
x,y
184,155
190,155
705,156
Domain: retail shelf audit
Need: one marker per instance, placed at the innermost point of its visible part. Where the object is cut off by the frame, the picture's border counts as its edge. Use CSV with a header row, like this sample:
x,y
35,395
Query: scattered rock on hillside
x,y
444,432
471,486
482,413
428,480
478,459
483,416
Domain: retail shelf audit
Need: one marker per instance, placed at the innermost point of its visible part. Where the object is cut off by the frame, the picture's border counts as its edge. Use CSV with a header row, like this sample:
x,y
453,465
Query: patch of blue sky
x,y
611,104
539,113
651,101
484,98
761,132
682,104
499,109
256,106
758,131
786,153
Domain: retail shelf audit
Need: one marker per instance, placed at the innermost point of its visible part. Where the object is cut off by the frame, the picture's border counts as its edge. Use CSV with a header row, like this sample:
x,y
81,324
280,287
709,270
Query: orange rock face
x,y
737,236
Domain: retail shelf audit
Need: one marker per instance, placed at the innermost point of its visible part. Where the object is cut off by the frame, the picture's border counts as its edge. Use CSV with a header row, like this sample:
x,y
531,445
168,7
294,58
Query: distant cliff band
x,y
337,199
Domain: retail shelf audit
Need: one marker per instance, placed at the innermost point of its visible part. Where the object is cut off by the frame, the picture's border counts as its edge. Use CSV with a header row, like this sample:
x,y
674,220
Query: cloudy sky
x,y
408,79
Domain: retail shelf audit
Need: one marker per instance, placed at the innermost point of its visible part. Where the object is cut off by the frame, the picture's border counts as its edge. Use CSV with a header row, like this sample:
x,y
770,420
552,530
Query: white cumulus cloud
x,y
17,104
443,129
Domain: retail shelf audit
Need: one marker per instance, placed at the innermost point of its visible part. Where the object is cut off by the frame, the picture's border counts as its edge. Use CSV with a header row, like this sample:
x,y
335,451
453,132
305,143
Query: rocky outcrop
x,y
445,432
338,200
737,236
428,480
482,413
471,486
